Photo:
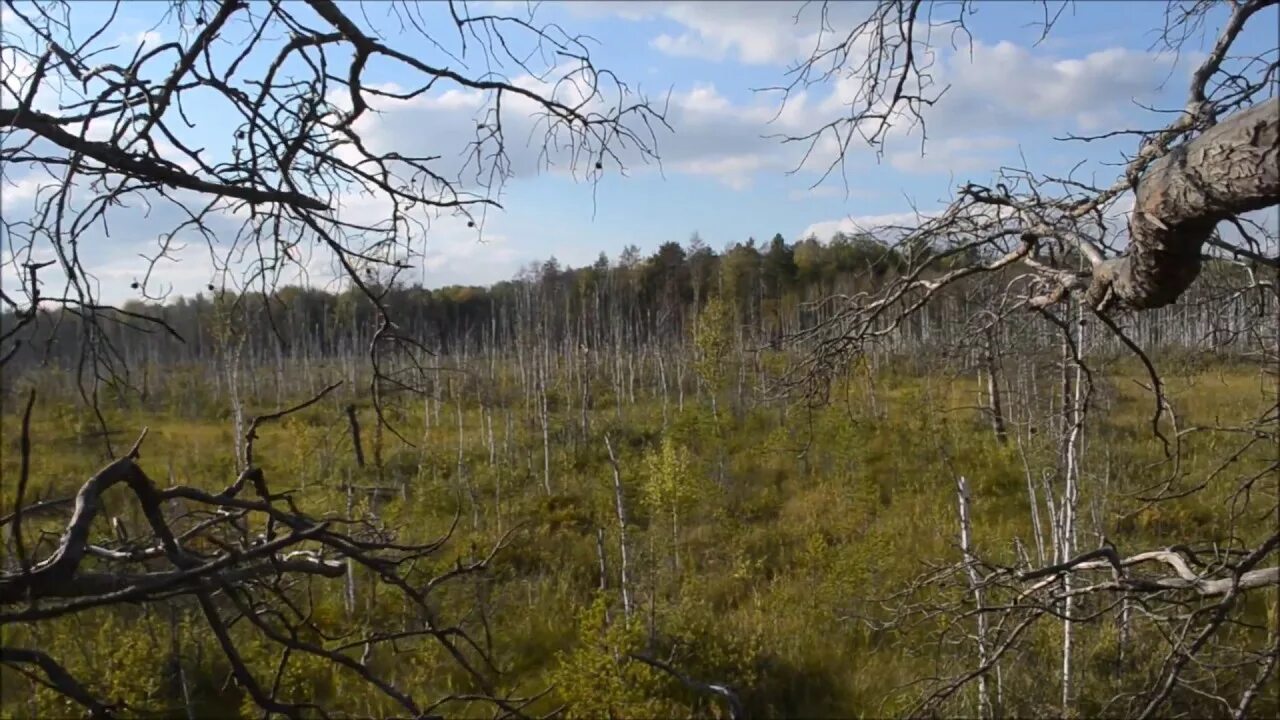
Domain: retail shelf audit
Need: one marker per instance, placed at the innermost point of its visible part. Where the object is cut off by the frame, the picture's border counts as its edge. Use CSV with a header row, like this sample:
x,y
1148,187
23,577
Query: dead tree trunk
x,y
986,708
994,398
621,508
1233,168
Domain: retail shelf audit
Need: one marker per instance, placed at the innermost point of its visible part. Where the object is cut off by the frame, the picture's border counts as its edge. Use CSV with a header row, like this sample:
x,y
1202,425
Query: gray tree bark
x,y
1232,168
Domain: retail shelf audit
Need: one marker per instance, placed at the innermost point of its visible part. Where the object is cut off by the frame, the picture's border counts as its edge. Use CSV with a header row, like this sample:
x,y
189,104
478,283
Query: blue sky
x,y
1008,98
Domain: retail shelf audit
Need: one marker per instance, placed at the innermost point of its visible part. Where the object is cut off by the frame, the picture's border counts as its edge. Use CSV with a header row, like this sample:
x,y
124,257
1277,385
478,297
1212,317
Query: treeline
x,y
771,290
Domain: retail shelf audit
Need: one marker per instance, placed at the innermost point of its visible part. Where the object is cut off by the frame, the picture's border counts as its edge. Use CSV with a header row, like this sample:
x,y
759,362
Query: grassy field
x,y
761,539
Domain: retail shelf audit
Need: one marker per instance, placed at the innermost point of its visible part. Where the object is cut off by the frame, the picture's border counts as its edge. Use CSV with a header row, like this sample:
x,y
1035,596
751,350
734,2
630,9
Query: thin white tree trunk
x,y
546,436
662,376
463,475
350,595
986,708
621,509
604,567
175,634
1070,503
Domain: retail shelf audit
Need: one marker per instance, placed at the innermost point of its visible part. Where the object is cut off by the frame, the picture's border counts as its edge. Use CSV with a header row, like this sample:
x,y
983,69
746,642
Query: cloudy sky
x,y
721,174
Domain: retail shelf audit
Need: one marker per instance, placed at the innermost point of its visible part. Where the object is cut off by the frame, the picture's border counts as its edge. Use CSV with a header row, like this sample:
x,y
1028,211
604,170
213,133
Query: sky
x,y
721,174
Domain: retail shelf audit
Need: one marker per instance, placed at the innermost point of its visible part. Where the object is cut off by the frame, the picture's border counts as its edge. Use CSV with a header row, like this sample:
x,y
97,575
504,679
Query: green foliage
x,y
713,339
598,678
670,484
793,523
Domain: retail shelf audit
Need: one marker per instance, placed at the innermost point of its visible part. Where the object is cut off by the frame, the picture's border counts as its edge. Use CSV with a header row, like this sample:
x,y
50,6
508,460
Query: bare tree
x,y
1040,242
199,550
95,130
1216,161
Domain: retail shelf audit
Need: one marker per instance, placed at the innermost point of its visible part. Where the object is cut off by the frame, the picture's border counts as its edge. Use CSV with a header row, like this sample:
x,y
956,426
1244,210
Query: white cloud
x,y
703,100
16,72
736,171
997,86
686,45
751,32
24,189
634,10
862,223
1006,87
448,252
456,99
827,191
954,154
147,38
1008,84
714,137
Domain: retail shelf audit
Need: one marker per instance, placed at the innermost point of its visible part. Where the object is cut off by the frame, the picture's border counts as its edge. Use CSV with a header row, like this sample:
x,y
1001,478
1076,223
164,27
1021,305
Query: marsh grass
x,y
793,522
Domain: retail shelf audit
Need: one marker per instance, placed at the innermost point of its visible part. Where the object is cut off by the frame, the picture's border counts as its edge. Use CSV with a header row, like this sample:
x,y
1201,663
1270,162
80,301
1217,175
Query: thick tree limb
x,y
255,570
94,589
147,168
58,677
1233,168
1184,577
736,711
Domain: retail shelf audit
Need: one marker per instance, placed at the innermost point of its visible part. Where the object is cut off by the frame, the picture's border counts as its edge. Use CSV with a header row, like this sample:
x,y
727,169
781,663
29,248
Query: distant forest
x,y
771,291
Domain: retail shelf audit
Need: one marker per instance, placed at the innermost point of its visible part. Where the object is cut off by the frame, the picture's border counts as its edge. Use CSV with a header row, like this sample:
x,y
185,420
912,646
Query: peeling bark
x,y
1232,168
